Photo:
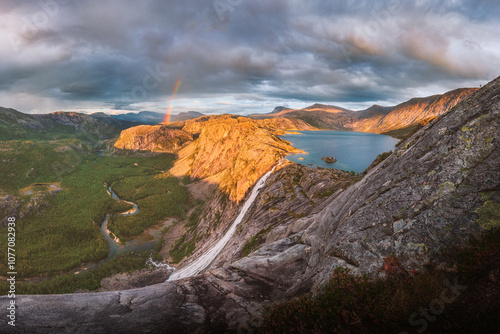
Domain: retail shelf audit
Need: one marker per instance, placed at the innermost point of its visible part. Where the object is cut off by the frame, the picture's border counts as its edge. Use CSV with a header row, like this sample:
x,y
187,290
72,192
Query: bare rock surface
x,y
138,279
230,152
157,138
9,206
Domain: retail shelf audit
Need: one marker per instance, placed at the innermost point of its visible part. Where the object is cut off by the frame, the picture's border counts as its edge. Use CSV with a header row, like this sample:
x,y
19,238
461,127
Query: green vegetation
x,y
296,215
253,243
489,215
382,156
87,280
326,193
27,162
350,304
157,196
64,231
194,217
182,248
18,126
118,207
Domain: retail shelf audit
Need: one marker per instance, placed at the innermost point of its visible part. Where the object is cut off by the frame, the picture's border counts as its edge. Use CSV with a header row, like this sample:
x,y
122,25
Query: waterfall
x,y
206,258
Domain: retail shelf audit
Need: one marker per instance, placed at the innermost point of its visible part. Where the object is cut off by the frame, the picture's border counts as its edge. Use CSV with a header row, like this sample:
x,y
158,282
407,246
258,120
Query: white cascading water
x,y
206,258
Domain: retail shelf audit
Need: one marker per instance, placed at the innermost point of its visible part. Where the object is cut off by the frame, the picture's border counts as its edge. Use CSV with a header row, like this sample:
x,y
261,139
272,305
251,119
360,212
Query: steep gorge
x,y
221,160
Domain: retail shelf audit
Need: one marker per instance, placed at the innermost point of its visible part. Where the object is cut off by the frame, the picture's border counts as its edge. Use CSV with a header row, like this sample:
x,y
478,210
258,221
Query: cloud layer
x,y
240,56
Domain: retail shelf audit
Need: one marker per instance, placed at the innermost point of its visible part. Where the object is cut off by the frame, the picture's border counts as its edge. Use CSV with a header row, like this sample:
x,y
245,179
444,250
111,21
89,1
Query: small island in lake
x,y
329,160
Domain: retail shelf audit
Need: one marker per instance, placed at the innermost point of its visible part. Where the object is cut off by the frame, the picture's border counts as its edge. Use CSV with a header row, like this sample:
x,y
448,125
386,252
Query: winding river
x,y
116,247
206,258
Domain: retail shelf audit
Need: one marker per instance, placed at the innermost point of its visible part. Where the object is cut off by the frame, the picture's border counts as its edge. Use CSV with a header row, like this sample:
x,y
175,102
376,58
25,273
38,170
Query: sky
x,y
240,56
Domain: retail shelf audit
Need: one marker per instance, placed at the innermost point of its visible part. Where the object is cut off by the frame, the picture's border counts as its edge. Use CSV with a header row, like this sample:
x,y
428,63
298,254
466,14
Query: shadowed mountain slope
x,y
15,125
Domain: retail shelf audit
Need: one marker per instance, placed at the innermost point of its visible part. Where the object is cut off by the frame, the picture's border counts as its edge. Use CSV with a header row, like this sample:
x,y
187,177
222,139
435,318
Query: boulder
x,y
329,160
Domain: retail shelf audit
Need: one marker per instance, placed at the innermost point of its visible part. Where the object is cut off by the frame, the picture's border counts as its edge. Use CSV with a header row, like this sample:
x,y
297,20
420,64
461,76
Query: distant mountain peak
x,y
318,105
99,114
326,108
279,109
185,116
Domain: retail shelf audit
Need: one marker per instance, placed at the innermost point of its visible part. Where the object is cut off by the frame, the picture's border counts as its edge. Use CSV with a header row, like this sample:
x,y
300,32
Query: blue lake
x,y
353,150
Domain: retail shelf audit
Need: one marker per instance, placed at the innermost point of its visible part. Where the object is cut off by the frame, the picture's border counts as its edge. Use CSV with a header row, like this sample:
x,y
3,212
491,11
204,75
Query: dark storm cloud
x,y
124,53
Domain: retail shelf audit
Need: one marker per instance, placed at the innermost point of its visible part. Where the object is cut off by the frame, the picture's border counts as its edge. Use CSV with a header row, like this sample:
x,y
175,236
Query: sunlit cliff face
x,y
234,153
230,152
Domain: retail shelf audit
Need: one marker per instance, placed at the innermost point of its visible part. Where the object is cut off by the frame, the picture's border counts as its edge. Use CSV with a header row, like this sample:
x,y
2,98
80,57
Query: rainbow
x,y
169,111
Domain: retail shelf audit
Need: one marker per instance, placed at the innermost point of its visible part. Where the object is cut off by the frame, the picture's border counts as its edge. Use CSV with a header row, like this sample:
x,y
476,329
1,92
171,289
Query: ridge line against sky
x,y
240,56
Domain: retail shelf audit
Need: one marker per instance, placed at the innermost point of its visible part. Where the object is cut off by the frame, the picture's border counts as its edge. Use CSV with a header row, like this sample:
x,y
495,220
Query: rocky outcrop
x,y
9,206
230,152
277,125
158,138
137,279
329,160
293,193
439,188
426,197
220,302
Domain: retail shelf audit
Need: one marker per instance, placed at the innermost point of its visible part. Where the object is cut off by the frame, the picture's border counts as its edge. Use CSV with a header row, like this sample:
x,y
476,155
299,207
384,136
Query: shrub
x,y
350,304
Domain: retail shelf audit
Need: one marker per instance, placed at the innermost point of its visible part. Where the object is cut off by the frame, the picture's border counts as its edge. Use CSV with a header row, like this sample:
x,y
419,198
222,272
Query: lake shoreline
x,y
354,151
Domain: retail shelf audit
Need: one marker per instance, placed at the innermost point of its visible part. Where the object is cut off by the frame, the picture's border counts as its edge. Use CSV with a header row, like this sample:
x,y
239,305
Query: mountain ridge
x,y
16,125
151,117
376,119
